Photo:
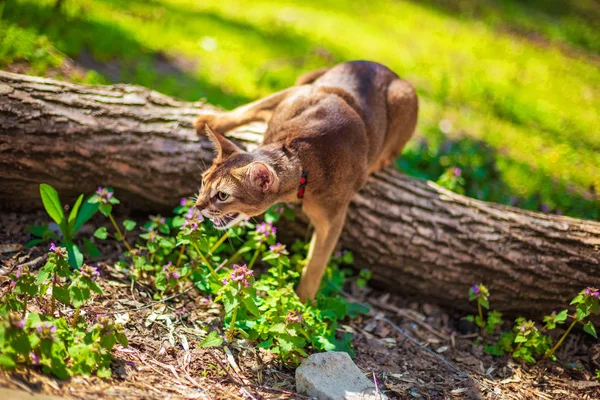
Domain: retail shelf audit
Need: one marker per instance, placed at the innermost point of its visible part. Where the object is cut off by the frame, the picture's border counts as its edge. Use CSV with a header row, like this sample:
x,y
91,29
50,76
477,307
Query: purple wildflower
x,y
338,254
523,328
457,171
13,284
35,360
183,201
224,281
89,272
266,229
241,273
593,292
175,275
19,270
15,320
544,207
104,194
59,251
278,249
293,316
475,289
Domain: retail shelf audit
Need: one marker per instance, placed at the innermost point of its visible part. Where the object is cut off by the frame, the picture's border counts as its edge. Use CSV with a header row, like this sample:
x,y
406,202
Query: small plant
x,y
526,341
42,340
79,215
452,179
264,308
480,294
105,199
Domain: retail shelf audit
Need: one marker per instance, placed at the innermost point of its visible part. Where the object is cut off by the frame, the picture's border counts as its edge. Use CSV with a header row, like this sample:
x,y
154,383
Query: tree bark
x,y
418,238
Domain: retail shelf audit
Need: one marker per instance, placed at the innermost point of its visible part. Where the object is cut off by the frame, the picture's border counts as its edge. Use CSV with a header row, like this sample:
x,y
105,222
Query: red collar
x,y
303,183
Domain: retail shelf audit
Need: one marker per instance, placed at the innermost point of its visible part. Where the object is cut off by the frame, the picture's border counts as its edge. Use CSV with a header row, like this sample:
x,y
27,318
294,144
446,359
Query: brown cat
x,y
324,137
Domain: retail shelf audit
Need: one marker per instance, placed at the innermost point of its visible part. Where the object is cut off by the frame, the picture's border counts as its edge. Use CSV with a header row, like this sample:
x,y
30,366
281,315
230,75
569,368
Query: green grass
x,y
518,81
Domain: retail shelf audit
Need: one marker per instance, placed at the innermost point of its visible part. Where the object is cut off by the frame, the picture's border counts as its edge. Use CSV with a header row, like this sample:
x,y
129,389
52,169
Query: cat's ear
x,y
223,147
260,175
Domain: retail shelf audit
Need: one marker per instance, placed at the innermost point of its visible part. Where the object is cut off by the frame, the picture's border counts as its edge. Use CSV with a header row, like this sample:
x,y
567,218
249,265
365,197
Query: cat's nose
x,y
201,205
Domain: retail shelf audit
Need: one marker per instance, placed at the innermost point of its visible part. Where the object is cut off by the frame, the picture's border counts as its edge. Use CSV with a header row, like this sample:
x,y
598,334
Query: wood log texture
x,y
418,238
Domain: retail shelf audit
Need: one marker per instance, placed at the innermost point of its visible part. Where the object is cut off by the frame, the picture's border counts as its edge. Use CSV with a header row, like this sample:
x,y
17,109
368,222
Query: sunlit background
x,y
509,89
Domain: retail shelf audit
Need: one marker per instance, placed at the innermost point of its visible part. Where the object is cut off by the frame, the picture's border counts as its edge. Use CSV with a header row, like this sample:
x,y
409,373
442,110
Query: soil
x,y
412,349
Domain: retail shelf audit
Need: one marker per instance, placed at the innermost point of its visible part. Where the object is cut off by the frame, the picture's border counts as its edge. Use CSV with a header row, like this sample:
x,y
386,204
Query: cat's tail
x,y
311,76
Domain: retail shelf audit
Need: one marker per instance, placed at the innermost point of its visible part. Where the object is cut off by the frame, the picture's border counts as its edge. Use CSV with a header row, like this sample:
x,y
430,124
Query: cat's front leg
x,y
323,242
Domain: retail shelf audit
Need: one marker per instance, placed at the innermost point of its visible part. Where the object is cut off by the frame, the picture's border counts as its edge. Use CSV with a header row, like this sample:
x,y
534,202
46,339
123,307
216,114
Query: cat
x,y
324,137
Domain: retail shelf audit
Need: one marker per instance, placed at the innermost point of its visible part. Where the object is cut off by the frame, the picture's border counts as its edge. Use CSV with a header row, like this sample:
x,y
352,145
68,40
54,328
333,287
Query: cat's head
x,y
236,186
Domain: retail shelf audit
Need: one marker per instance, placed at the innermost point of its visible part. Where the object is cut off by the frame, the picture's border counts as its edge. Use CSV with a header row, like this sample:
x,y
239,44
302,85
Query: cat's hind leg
x,y
259,110
402,109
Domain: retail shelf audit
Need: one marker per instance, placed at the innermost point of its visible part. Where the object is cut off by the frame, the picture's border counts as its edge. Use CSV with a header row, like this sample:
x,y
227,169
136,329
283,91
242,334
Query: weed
x,y
526,341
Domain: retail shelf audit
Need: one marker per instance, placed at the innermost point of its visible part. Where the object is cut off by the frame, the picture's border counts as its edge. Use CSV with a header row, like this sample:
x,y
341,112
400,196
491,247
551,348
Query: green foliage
x,y
525,341
105,199
43,341
263,309
81,212
211,340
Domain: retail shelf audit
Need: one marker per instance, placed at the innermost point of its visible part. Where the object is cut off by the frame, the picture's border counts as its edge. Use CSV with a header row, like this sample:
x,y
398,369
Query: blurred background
x,y
509,90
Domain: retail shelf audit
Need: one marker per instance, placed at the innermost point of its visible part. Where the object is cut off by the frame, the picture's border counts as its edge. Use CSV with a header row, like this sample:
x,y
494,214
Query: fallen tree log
x,y
418,238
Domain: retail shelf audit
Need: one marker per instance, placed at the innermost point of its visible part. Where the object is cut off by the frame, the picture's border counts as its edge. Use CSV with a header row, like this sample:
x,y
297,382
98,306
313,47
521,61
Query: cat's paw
x,y
305,294
205,119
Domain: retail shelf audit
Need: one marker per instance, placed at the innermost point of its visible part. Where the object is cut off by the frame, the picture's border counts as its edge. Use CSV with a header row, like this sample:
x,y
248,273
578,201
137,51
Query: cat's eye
x,y
222,196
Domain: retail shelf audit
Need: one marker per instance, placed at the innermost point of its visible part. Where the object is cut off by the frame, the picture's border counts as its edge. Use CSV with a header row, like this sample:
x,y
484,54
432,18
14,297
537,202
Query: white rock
x,y
334,376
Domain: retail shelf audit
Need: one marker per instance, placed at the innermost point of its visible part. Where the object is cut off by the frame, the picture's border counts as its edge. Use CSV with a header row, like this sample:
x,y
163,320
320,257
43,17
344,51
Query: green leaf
x,y
101,233
108,342
484,303
589,328
251,305
6,362
61,294
75,256
520,339
86,212
266,344
561,316
212,340
33,242
577,299
37,230
230,302
582,311
104,372
122,339
161,283
95,287
90,249
105,209
43,276
79,295
129,224
357,308
348,258
277,328
73,214
52,203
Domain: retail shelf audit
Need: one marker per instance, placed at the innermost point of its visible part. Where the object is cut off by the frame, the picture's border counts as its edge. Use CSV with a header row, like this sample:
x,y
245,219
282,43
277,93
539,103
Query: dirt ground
x,y
412,350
